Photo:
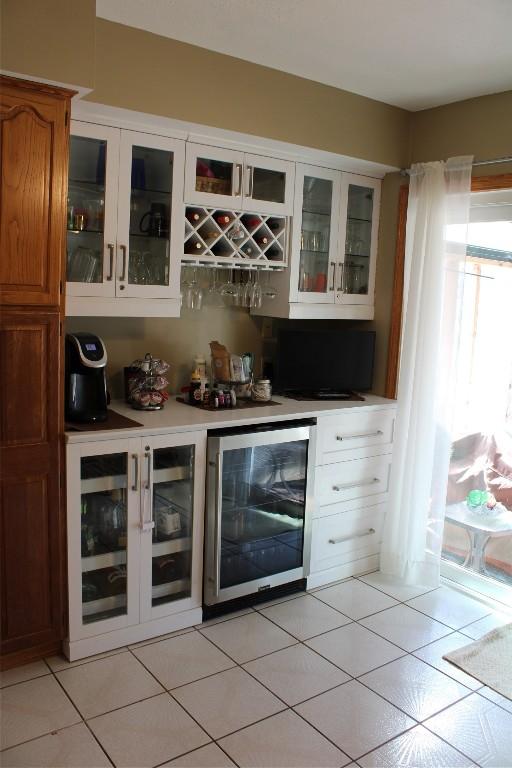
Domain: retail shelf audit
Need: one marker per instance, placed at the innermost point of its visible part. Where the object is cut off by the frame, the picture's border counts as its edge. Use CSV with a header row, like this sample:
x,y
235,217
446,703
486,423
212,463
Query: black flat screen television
x,y
325,363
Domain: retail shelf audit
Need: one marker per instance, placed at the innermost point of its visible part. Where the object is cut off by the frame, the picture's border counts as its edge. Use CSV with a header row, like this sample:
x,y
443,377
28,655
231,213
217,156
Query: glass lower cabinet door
x,y
150,216
358,242
262,516
104,536
173,504
315,236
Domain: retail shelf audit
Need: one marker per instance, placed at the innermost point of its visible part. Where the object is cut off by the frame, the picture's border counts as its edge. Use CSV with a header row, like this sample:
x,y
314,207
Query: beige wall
x,y
50,39
481,127
142,71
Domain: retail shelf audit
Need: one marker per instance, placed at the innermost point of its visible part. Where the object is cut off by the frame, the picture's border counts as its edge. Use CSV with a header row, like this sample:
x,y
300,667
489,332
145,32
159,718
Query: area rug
x,y
488,659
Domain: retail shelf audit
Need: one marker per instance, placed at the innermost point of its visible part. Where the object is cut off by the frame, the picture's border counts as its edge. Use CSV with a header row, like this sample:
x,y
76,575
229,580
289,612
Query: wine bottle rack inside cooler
x,y
235,237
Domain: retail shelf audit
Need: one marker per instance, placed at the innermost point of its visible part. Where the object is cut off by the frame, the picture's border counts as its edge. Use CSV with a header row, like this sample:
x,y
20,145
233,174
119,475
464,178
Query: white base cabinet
x,y
351,489
135,539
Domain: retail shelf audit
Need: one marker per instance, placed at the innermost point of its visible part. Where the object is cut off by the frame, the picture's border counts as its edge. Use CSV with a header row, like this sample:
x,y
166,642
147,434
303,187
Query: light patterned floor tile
x,y
415,687
210,756
31,709
305,617
107,684
417,748
450,607
282,741
228,701
479,628
392,587
355,599
405,627
183,659
433,654
24,673
147,733
355,649
354,718
72,747
248,637
496,697
479,729
296,673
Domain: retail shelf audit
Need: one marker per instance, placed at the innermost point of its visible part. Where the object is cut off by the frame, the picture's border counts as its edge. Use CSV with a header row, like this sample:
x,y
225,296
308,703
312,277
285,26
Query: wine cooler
x,y
258,508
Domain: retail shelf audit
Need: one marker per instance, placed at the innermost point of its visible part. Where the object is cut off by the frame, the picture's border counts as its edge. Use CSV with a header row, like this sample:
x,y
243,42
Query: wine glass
x,y
256,297
213,297
229,290
247,291
269,292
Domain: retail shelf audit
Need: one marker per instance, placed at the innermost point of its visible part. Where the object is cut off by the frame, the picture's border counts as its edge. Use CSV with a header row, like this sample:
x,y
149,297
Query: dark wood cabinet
x,y
33,183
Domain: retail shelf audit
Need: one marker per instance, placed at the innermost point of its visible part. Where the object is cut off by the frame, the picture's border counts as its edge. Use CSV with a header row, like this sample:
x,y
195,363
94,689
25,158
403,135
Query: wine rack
x,y
224,237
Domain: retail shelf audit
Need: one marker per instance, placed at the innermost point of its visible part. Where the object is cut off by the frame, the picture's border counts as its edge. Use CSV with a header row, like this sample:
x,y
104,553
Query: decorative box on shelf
x,y
239,238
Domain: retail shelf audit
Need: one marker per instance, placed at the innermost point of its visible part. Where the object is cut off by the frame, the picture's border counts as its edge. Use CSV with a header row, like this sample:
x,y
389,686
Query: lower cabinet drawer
x,y
349,432
347,536
349,480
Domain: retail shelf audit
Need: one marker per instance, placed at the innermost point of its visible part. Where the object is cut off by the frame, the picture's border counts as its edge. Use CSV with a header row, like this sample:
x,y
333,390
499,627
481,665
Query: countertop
x,y
180,417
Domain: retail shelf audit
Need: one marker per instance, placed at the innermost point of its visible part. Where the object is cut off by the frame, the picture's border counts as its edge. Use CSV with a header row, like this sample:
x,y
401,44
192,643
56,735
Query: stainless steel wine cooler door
x,y
257,510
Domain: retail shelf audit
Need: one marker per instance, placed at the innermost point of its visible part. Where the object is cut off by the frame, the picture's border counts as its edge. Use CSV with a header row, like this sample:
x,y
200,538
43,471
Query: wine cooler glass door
x,y
92,210
260,504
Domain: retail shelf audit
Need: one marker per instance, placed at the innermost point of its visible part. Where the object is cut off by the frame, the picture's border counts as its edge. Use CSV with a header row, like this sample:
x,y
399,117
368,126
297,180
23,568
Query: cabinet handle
x,y
248,189
360,535
361,434
341,286
333,265
238,191
110,247
346,486
123,250
147,525
135,484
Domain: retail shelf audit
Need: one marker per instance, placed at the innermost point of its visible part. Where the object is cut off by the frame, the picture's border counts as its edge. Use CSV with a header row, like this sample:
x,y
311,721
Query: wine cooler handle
x,y
347,486
361,434
248,188
123,250
333,265
238,190
217,528
110,247
135,484
360,535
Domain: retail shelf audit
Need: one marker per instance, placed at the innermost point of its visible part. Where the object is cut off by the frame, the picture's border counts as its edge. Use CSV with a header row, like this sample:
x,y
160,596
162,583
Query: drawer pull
x,y
362,434
346,486
341,539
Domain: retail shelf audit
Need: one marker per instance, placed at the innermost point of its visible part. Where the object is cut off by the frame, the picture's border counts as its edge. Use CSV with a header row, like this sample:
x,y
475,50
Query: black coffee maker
x,y
86,385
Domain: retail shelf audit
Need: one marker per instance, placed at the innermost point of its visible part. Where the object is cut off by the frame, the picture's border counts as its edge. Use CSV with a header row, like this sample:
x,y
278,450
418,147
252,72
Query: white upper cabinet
x,y
125,217
333,252
227,178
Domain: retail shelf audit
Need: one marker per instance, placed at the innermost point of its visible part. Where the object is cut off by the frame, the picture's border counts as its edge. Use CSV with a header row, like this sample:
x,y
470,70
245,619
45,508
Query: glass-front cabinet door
x,y
103,537
171,514
315,234
268,185
213,176
92,209
150,220
358,234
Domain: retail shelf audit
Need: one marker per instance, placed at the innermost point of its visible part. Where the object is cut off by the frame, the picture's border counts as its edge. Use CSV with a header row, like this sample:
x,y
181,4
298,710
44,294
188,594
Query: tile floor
x,y
348,675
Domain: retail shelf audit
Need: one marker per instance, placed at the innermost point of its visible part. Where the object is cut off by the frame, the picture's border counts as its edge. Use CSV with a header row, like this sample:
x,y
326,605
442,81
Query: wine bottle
x,y
193,246
251,222
262,241
193,216
223,219
274,224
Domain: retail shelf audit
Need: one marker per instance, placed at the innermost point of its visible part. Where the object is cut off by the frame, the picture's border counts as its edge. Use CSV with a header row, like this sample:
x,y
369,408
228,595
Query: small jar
x,y
262,390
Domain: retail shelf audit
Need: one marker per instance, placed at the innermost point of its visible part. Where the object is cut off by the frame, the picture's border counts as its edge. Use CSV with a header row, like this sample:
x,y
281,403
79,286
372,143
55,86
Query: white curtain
x,y
437,215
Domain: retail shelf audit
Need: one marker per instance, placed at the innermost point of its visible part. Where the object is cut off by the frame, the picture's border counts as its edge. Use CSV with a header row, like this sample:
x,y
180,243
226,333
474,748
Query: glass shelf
x,y
85,182
310,250
356,218
145,191
81,231
316,213
357,255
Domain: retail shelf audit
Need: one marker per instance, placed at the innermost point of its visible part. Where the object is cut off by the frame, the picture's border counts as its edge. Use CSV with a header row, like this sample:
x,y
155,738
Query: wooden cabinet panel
x,y
31,528
33,189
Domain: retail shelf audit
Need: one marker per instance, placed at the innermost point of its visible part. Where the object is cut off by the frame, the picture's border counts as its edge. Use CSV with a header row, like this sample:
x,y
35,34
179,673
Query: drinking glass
x,y
269,292
213,297
247,291
256,296
229,290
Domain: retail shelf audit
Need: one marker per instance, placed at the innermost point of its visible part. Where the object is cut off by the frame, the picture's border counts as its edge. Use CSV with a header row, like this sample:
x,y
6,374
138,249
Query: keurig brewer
x,y
86,386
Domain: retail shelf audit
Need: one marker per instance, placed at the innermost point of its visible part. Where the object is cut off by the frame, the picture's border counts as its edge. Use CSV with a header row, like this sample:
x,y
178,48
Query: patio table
x,y
480,529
